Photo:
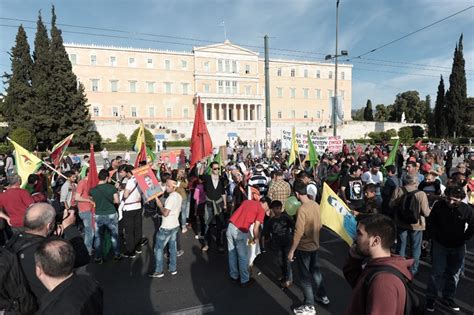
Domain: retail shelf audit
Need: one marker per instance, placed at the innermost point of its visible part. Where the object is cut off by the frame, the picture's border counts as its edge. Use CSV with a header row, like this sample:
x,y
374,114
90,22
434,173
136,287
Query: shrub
x,y
405,134
121,138
184,143
23,137
149,138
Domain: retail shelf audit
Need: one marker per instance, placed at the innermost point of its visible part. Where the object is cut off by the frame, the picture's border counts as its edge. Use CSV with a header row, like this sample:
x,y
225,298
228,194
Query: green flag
x,y
312,154
150,154
393,154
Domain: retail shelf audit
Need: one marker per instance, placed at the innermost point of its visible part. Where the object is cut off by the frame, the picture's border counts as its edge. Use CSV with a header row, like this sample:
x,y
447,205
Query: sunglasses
x,y
215,169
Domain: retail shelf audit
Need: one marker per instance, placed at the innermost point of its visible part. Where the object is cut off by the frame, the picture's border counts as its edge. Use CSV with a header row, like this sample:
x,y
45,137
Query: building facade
x,y
124,85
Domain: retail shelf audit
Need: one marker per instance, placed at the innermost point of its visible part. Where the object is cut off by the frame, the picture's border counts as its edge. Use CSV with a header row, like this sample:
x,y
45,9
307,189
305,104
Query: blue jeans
x,y
163,237
415,237
185,211
238,253
286,271
308,267
86,217
110,221
446,264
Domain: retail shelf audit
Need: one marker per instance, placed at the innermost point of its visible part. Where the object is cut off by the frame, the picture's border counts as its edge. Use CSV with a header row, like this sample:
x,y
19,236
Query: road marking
x,y
195,310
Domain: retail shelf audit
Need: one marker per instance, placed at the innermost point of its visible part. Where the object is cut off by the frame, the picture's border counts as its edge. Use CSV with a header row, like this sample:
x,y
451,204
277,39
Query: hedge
x,y
183,143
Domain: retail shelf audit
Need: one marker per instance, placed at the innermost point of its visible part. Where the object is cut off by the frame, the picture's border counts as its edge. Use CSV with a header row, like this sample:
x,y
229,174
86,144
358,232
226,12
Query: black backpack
x,y
15,295
413,304
406,211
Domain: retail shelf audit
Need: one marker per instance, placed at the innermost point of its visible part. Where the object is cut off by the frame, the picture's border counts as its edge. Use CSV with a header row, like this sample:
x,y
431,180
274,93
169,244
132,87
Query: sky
x,y
297,29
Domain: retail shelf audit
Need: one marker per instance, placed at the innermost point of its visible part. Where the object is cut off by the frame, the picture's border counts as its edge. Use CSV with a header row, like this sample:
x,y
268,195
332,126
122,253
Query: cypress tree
x,y
15,107
67,96
368,112
456,97
440,125
45,117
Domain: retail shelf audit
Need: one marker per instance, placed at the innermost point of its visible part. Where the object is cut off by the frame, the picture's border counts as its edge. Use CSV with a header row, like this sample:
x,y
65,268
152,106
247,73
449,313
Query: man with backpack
x,y
381,286
411,208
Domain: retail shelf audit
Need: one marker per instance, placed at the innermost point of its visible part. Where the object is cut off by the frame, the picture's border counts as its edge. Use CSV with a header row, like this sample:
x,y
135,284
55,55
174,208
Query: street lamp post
x,y
329,57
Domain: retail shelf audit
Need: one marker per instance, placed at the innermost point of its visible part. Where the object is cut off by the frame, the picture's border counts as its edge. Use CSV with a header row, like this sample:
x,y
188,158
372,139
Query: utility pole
x,y
335,100
268,129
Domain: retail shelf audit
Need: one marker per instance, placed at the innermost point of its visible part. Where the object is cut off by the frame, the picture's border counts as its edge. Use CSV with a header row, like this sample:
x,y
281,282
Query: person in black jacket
x,y
68,293
39,223
447,229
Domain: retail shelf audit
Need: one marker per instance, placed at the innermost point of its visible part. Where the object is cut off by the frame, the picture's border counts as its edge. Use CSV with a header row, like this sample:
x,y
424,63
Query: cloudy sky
x,y
298,29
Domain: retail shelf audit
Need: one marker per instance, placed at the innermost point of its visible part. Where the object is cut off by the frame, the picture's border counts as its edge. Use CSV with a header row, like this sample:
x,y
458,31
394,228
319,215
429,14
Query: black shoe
x,y
430,306
234,280
451,304
248,283
143,241
98,261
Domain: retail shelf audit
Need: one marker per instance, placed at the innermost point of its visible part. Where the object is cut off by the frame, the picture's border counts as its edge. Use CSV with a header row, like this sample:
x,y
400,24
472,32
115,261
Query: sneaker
x,y
286,284
322,299
173,273
138,251
157,275
98,261
430,305
451,304
305,310
179,253
205,248
117,257
130,255
184,230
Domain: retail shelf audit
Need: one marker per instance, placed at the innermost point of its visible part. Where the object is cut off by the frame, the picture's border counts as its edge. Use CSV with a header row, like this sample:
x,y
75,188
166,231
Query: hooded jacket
x,y
386,294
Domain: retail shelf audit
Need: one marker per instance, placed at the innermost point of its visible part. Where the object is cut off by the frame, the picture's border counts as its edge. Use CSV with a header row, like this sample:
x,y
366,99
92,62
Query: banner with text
x,y
333,144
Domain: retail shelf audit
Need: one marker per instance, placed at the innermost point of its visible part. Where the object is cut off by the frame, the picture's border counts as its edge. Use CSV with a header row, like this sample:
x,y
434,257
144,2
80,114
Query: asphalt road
x,y
202,285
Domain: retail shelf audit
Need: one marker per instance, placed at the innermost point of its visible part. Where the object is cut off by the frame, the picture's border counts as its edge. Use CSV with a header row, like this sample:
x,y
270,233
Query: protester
x,y
352,189
68,292
386,293
250,212
14,201
105,197
280,189
168,230
305,247
85,205
450,226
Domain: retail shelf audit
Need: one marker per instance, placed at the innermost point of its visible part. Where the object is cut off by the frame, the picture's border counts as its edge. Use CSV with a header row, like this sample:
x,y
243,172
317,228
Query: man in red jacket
x,y
14,202
386,293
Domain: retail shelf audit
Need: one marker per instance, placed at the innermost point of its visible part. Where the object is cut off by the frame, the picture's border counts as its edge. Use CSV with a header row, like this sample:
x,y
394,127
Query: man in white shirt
x,y
374,176
168,230
105,156
132,213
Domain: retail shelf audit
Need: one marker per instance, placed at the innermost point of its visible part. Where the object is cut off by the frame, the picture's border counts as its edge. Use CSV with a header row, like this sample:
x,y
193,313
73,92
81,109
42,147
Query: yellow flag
x,y
26,162
294,148
336,216
140,137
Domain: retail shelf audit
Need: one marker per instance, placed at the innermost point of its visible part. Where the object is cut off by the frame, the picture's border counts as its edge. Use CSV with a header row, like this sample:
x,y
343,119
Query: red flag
x,y
58,150
141,155
93,177
201,143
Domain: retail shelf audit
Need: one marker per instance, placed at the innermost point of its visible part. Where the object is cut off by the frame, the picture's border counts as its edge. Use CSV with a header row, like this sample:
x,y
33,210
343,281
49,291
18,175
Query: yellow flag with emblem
x,y
336,215
26,162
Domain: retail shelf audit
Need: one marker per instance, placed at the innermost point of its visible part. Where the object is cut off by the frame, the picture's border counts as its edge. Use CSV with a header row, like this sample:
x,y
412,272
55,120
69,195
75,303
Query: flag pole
x,y
54,170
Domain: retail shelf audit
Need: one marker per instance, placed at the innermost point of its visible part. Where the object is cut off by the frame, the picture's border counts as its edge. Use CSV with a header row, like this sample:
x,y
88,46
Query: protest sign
x,y
332,143
147,182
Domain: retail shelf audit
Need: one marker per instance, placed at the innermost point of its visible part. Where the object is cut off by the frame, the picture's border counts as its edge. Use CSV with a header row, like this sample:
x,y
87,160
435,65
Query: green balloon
x,y
291,205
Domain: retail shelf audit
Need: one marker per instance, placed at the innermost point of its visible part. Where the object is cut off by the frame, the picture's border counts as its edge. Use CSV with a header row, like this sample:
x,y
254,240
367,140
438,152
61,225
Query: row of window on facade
x,y
318,93
306,73
223,65
121,113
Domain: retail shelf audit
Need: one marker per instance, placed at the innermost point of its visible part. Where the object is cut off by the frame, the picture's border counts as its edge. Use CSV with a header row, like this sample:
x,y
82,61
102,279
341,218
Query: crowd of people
x,y
418,206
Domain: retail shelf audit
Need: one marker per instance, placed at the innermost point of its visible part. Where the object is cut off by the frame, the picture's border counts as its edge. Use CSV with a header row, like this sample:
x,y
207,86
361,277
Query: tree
x,y
368,113
409,103
122,139
24,138
45,116
456,97
405,134
382,113
149,138
66,95
439,126
358,114
19,91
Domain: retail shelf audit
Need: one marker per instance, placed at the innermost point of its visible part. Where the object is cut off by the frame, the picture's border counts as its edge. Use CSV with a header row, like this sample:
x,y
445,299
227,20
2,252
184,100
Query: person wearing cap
x,y
405,231
351,188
